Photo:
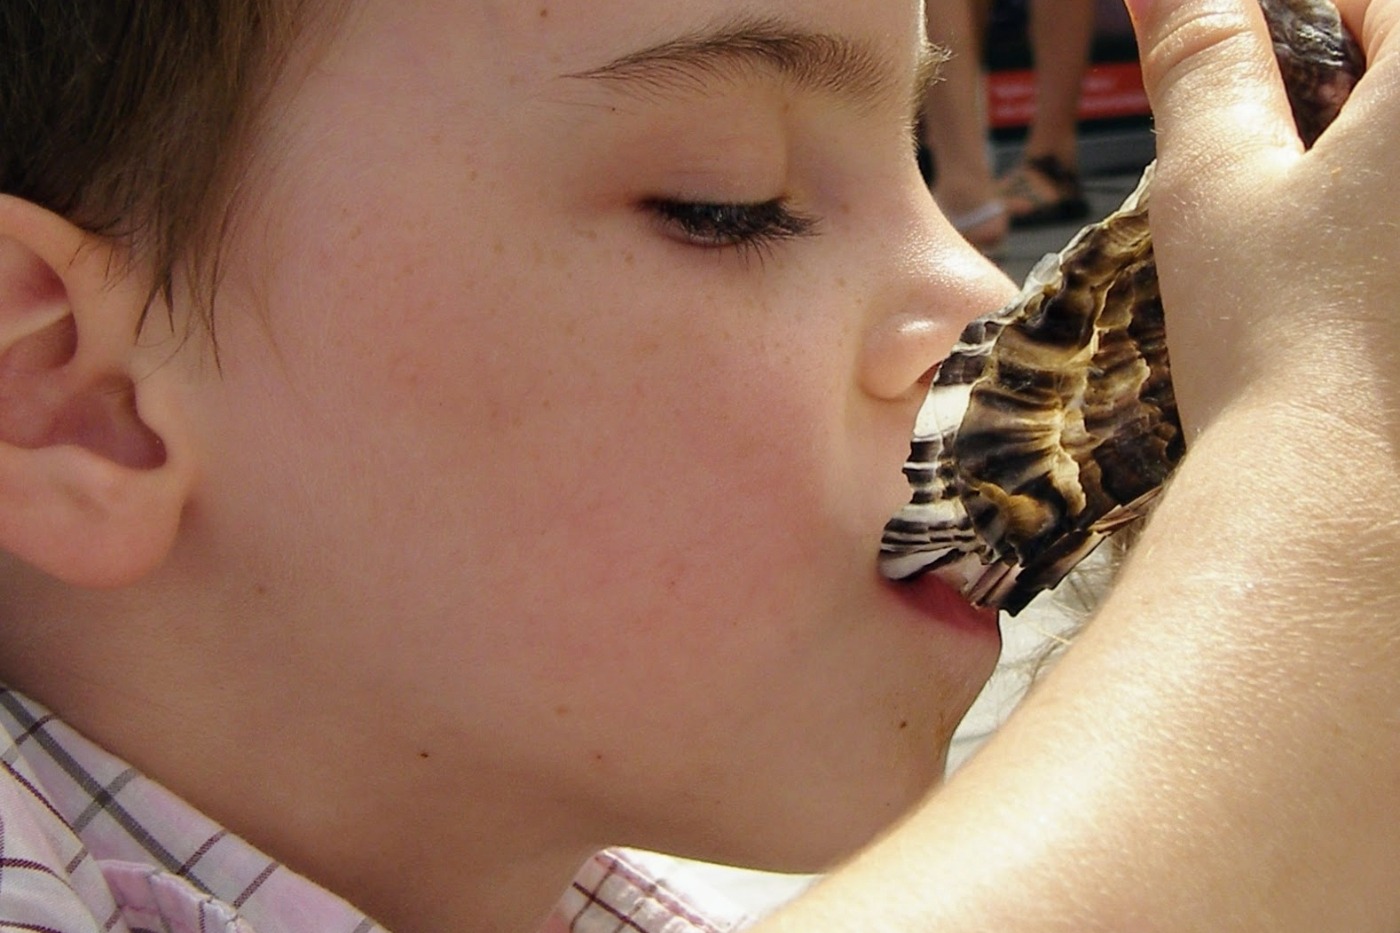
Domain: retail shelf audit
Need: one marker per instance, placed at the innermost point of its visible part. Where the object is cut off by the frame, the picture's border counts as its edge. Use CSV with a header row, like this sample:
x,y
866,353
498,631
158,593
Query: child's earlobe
x,y
93,472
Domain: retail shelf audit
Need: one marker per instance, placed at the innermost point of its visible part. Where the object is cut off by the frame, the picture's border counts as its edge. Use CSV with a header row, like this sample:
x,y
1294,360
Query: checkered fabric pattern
x,y
618,894
89,844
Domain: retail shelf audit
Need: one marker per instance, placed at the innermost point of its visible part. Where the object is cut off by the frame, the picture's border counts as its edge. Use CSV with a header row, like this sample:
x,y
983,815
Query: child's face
x,y
586,507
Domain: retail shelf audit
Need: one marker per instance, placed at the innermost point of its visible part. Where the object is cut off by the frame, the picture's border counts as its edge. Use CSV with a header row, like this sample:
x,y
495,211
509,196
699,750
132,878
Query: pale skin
x,y
955,111
565,521
955,116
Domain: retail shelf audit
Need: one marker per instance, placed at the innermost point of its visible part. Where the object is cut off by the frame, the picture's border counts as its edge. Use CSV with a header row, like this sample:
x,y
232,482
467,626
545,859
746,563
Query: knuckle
x,y
1199,46
1373,23
1212,79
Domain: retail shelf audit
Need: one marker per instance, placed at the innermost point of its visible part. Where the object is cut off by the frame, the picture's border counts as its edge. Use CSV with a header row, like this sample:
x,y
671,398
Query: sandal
x,y
985,227
1027,203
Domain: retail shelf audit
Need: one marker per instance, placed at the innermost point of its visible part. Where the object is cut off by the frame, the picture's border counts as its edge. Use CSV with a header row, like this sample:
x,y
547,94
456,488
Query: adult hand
x,y
1220,750
1278,267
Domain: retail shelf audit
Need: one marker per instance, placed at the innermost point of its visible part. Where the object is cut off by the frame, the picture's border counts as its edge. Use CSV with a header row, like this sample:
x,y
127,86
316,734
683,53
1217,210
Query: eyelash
x,y
743,227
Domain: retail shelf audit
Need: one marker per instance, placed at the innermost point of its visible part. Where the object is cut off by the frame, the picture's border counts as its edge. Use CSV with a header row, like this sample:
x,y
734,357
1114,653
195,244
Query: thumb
x,y
1217,99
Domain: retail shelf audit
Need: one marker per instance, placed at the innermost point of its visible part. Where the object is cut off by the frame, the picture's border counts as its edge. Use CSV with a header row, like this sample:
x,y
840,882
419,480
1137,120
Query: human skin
x,y
955,113
370,539
1061,34
516,521
1219,750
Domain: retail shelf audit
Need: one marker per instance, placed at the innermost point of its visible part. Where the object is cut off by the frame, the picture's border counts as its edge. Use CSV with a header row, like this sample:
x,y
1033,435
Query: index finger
x,y
1215,88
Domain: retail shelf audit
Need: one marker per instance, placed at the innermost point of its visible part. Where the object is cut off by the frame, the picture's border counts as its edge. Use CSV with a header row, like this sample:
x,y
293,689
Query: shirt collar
x,y
128,849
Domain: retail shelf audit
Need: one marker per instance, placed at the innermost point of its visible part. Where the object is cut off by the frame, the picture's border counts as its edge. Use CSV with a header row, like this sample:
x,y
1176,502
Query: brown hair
x,y
128,118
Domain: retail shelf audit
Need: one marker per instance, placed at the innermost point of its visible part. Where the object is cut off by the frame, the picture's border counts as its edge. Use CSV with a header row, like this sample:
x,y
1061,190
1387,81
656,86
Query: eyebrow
x,y
812,61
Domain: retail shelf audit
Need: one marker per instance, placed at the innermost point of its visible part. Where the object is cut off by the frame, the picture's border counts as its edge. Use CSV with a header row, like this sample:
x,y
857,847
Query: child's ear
x,y
94,464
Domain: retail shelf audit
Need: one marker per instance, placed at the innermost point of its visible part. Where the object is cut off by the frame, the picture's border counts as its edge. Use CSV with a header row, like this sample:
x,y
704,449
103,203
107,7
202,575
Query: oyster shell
x,y
1053,422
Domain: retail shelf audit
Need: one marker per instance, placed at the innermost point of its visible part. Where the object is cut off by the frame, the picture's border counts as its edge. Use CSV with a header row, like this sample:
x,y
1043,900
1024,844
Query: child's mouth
x,y
942,600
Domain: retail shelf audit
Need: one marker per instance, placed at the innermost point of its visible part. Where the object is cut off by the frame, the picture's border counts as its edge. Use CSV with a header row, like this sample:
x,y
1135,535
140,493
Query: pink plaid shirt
x,y
89,844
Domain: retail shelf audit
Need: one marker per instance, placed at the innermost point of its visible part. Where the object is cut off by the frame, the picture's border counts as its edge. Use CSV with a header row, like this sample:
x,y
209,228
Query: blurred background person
x,y
1044,186
953,126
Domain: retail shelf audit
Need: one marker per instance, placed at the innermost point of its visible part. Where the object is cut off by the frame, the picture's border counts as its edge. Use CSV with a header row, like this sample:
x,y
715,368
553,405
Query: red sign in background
x,y
1110,89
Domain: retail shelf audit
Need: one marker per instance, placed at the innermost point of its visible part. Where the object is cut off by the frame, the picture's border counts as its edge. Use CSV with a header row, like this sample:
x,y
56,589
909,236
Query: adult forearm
x,y
1221,750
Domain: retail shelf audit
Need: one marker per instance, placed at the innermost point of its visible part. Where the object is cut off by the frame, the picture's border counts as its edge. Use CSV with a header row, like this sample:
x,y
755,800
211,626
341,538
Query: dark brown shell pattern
x,y
1053,422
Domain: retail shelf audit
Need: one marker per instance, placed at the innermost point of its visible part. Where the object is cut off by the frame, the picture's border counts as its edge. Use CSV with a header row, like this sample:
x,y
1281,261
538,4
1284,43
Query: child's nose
x,y
945,286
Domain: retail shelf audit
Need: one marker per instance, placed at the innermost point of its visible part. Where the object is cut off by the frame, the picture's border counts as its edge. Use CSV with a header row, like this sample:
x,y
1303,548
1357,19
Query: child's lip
x,y
941,601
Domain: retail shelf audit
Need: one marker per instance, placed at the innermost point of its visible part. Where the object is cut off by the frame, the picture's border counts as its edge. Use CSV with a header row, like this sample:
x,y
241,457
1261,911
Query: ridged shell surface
x,y
1053,423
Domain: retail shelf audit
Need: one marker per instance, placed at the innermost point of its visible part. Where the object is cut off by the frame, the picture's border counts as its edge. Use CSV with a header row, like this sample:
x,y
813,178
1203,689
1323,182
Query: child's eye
x,y
742,226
